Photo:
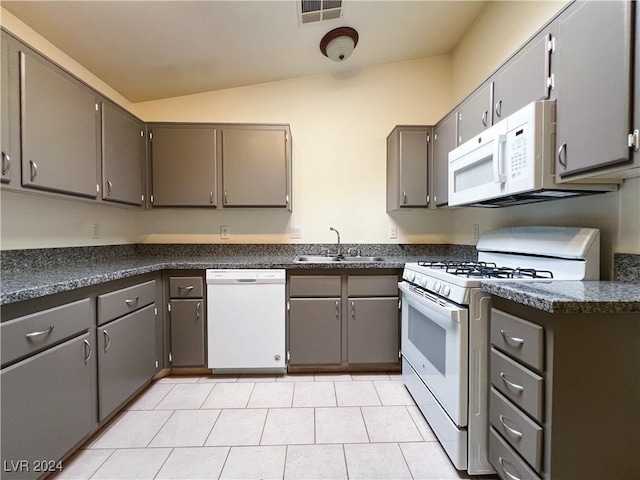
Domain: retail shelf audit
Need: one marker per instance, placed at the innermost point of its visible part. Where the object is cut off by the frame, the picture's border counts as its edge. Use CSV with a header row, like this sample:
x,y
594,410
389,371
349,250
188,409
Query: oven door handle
x,y
423,305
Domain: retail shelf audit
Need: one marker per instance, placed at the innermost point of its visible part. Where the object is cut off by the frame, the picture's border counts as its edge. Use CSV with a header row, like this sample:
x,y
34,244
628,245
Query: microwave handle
x,y
498,150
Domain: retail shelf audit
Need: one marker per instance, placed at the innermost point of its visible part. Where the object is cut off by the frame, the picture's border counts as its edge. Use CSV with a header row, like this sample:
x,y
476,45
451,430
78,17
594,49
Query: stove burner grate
x,y
486,270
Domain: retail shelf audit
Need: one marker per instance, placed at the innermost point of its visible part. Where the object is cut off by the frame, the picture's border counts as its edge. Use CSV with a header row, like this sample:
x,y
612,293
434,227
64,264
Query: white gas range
x,y
445,326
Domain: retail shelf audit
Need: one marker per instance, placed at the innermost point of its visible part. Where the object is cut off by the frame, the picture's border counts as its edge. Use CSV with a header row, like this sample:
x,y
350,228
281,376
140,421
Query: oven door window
x,y
435,343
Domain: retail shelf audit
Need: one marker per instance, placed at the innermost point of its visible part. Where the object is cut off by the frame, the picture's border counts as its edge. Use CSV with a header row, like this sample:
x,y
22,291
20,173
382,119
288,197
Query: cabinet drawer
x,y
314,286
26,335
185,287
507,462
115,304
519,338
522,433
372,285
519,384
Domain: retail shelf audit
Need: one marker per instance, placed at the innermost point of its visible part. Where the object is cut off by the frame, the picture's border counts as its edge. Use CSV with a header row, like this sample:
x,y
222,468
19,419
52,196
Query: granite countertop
x,y
568,296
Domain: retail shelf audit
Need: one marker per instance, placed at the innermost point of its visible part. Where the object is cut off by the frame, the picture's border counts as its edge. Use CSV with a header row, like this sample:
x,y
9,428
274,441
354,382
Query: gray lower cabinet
x,y
183,165
373,335
315,331
60,130
48,407
407,167
444,140
256,166
474,113
126,357
123,156
187,332
593,76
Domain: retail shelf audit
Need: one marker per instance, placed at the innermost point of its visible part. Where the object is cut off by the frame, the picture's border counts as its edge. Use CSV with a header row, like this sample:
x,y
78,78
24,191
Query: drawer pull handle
x,y
87,344
512,431
187,288
41,332
520,388
133,301
509,337
501,461
107,340
33,166
198,306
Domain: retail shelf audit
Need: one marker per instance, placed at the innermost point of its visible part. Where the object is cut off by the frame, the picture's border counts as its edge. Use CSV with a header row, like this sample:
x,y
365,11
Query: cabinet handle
x,y
562,159
404,197
512,431
187,288
131,302
485,114
510,475
87,344
225,197
198,306
498,108
109,188
337,309
353,310
211,197
6,163
31,335
33,166
509,337
520,388
107,340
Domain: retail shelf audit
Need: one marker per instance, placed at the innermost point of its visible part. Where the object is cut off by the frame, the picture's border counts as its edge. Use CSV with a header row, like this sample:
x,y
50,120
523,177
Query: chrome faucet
x,y
338,251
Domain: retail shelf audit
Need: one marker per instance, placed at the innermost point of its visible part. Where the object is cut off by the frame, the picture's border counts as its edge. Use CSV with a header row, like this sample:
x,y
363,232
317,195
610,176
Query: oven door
x,y
435,343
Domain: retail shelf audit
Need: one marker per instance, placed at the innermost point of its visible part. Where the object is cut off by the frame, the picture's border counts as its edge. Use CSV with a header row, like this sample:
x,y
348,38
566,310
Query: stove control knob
x,y
436,286
424,281
410,276
446,290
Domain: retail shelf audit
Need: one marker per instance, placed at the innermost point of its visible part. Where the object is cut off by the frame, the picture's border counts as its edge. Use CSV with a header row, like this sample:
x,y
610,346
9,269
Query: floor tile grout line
x,y
284,465
164,462
346,464
226,458
406,462
113,450
365,424
158,431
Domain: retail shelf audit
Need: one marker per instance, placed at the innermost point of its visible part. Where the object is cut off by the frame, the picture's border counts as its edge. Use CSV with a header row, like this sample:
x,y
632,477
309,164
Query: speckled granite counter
x,y
570,296
28,274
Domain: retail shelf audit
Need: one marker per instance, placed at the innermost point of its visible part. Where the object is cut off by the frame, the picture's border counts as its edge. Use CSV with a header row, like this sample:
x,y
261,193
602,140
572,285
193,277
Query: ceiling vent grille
x,y
317,10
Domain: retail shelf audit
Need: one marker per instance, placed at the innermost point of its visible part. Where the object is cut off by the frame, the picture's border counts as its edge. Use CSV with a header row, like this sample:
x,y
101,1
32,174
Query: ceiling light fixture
x,y
339,43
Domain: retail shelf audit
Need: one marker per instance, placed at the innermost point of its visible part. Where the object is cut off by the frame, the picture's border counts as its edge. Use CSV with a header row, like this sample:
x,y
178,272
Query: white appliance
x,y
246,321
445,326
513,162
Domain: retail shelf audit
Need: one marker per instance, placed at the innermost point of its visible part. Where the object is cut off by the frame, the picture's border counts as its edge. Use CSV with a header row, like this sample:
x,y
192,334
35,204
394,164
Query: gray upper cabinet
x,y
407,167
60,130
183,164
526,77
474,113
256,166
9,104
123,150
592,70
444,140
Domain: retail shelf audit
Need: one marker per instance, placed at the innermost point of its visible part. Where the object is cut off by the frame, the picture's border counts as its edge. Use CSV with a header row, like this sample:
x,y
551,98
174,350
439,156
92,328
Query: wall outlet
x,y
224,232
295,232
476,231
96,230
393,231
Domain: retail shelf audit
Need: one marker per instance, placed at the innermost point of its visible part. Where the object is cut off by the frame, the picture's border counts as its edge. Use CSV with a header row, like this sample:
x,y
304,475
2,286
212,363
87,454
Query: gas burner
x,y
485,270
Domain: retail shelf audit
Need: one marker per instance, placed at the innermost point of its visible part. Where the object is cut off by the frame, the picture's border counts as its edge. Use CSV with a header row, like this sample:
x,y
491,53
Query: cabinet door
x,y
122,156
374,327
126,357
60,125
48,405
255,168
183,167
525,77
474,114
187,333
444,140
10,139
414,158
593,78
315,326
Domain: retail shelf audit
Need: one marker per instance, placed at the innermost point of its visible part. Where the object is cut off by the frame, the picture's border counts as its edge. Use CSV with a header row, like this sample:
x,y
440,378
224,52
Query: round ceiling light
x,y
339,43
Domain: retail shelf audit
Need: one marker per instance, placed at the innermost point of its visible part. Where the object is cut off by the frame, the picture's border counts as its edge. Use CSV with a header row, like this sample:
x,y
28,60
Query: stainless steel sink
x,y
324,259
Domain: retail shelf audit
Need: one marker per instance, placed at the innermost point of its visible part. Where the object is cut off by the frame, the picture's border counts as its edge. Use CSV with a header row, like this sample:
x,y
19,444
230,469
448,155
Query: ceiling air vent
x,y
318,10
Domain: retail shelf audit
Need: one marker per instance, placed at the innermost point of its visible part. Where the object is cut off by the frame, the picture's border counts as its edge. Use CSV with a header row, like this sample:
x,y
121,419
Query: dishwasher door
x,y
246,311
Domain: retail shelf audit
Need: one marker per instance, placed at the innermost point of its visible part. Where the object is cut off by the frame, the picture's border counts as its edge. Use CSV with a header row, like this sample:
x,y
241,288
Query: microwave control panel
x,y
518,157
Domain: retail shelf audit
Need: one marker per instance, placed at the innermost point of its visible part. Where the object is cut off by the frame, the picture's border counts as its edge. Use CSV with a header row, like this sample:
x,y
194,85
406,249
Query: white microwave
x,y
513,162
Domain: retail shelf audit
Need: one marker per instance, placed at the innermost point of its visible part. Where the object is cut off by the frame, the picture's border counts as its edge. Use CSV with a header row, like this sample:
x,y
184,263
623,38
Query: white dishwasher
x,y
246,321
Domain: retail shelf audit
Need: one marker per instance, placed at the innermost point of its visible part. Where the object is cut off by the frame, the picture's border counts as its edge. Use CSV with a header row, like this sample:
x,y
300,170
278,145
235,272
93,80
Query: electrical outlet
x,y
295,232
476,231
224,232
393,231
96,230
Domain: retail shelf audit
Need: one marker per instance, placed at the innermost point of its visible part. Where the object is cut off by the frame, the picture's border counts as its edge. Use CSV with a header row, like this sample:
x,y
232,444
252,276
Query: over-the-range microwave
x,y
513,162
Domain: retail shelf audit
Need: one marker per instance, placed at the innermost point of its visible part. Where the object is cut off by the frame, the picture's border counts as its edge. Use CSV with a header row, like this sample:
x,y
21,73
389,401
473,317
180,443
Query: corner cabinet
x,y
60,130
256,166
408,148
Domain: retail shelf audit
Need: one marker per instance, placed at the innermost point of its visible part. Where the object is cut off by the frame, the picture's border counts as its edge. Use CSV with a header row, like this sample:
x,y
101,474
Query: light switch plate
x,y
224,232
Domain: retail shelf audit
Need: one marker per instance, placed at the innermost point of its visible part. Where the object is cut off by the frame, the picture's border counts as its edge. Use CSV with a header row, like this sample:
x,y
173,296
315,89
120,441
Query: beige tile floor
x,y
262,427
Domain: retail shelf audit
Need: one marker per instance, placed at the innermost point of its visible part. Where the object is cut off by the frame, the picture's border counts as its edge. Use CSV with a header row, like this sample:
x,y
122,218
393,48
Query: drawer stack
x,y
516,400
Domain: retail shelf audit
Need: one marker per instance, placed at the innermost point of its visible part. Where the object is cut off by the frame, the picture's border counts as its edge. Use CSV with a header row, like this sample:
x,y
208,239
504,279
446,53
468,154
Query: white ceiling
x,y
149,49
